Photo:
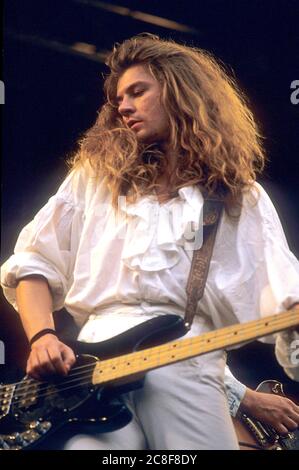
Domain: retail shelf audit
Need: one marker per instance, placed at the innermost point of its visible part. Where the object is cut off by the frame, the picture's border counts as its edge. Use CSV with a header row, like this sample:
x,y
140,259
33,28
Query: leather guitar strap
x,y
212,210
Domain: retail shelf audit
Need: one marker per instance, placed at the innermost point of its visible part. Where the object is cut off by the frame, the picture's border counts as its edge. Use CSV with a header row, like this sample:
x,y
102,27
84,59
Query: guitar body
x,y
31,410
254,435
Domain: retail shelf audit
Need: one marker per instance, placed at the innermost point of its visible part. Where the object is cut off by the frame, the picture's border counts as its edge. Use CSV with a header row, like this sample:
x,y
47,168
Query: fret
x,y
175,351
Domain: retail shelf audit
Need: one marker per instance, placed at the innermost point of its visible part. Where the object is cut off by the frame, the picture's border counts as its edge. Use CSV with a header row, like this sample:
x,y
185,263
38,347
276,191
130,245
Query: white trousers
x,y
180,407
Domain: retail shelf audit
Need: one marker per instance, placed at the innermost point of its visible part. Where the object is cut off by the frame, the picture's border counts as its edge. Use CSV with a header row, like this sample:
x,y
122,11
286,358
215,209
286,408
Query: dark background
x,y
53,92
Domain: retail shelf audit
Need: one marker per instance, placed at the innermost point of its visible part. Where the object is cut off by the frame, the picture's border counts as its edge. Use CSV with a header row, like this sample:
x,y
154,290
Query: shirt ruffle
x,y
157,232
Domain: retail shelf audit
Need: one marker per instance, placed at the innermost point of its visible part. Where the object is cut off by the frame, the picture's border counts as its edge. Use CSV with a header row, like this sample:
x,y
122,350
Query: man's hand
x,y
277,411
49,356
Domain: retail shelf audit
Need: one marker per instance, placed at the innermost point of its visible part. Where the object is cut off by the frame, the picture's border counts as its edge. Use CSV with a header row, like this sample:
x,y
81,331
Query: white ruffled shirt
x,y
134,265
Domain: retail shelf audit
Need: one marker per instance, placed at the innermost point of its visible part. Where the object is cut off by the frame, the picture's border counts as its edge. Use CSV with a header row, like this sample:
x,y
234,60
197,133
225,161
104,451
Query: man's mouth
x,y
132,123
135,124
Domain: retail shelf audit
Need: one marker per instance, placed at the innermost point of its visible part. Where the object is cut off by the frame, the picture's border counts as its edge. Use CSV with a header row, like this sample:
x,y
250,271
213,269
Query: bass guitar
x,y
30,410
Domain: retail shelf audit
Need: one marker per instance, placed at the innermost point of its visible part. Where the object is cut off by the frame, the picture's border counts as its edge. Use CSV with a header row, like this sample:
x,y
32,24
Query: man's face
x,y
138,98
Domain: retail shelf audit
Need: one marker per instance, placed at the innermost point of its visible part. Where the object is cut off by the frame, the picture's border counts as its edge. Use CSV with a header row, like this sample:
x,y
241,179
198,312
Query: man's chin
x,y
145,138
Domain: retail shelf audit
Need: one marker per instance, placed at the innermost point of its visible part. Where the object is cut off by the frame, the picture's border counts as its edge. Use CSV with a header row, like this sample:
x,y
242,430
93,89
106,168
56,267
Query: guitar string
x,y
217,335
34,384
85,377
68,382
79,383
23,383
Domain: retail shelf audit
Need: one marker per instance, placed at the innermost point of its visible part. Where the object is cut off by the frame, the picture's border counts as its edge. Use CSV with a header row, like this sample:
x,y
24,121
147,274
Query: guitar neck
x,y
127,365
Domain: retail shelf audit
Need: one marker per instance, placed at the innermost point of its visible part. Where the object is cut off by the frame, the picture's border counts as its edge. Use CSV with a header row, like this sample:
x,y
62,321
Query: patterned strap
x,y
212,211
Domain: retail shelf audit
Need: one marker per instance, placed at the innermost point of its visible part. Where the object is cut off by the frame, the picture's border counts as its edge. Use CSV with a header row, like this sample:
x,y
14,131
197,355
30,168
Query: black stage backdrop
x,y
52,70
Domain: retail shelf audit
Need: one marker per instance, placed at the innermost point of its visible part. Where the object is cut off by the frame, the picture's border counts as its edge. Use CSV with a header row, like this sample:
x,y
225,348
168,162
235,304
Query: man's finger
x,y
45,366
68,356
58,362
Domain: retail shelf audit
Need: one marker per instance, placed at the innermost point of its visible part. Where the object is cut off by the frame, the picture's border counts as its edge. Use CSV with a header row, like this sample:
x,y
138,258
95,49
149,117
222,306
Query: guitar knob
x,y
3,444
40,427
33,424
43,427
30,436
19,440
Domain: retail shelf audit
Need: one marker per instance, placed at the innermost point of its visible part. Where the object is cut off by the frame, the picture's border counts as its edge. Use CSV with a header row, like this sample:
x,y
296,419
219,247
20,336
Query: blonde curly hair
x,y
212,129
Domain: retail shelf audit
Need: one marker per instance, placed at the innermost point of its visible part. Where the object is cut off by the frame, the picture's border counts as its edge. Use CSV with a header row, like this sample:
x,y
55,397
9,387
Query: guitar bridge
x,y
6,396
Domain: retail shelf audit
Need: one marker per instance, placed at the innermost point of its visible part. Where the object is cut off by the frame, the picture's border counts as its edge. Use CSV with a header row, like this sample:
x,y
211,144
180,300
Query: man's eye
x,y
138,92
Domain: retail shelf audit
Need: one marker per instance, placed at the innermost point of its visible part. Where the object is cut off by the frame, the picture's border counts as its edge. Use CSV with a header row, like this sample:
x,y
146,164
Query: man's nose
x,y
126,107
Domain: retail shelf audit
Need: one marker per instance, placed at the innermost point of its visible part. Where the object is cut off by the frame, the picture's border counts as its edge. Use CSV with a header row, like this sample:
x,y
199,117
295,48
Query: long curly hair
x,y
212,129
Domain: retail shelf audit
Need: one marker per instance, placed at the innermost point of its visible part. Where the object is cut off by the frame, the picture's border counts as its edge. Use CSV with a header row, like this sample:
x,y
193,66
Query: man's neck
x,y
165,181
171,157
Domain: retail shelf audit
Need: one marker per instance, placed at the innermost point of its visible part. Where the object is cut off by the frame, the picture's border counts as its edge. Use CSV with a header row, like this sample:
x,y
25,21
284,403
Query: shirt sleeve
x,y
256,274
44,245
235,391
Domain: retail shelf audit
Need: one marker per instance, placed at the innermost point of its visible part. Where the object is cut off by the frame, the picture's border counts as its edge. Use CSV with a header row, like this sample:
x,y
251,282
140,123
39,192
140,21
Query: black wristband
x,y
41,333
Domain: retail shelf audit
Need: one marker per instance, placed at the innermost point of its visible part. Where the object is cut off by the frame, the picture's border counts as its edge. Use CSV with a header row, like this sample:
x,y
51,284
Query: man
x,y
112,244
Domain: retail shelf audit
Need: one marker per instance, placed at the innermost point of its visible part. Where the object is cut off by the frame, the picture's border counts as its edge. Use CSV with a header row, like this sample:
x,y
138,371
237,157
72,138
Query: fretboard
x,y
148,359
